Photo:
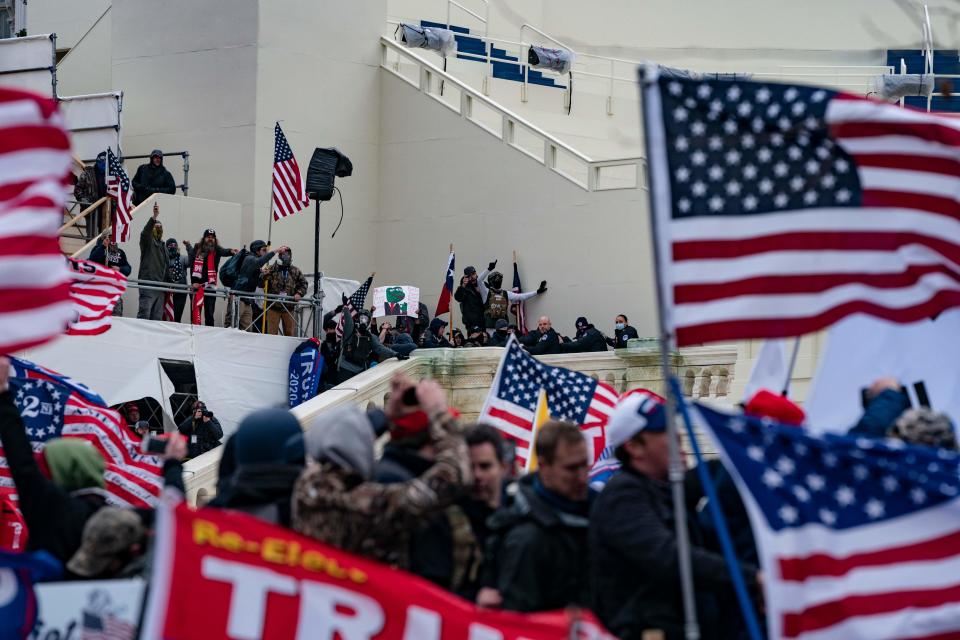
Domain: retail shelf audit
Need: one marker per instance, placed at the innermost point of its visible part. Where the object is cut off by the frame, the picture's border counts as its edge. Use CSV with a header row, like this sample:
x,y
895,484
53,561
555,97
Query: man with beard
x,y
283,279
204,261
152,178
153,267
359,343
176,274
497,300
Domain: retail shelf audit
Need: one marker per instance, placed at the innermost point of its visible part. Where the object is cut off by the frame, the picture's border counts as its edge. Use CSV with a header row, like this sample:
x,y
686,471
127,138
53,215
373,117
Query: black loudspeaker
x,y
324,165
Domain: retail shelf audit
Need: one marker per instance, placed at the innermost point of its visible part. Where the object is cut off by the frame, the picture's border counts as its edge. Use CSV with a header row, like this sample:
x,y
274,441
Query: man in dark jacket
x,y
543,340
202,430
153,267
470,297
203,260
622,332
588,339
109,254
885,402
359,344
500,335
152,178
433,337
248,277
330,350
537,549
634,572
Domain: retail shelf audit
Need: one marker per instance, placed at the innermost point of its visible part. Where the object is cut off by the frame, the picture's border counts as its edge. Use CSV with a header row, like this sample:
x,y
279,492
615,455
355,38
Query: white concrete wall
x,y
188,72
69,19
87,68
446,180
318,73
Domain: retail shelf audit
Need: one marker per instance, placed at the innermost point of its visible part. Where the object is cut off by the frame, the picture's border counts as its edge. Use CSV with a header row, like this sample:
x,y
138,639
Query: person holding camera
x,y
472,300
202,430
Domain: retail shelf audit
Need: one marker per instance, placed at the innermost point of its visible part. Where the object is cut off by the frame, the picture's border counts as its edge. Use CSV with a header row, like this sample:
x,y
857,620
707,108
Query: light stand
x,y
317,290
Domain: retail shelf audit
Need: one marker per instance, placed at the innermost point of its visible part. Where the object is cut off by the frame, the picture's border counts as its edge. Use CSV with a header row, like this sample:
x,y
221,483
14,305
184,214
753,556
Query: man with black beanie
x,y
176,274
588,339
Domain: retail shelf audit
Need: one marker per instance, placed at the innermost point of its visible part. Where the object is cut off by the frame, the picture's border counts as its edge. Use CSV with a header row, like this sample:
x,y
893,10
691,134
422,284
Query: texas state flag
x,y
443,306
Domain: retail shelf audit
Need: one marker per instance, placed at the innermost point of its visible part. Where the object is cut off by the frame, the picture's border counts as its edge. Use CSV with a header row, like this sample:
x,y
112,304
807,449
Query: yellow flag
x,y
541,415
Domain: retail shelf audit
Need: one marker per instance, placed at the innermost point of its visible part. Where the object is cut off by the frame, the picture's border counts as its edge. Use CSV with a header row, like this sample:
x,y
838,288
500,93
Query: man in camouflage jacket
x,y
283,279
336,502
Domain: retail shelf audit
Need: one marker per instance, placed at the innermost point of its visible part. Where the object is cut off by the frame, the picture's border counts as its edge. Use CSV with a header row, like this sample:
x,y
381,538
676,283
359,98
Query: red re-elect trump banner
x,y
223,574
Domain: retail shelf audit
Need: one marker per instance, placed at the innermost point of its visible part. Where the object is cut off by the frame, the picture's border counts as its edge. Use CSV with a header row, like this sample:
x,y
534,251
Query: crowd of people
x,y
449,502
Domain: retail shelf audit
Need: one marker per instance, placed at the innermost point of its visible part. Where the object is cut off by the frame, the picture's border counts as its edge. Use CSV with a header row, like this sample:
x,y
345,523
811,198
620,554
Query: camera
x,y
154,445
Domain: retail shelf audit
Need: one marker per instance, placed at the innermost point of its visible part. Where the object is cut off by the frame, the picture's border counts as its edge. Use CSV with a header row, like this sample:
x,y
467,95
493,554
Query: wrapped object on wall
x,y
558,60
442,41
894,87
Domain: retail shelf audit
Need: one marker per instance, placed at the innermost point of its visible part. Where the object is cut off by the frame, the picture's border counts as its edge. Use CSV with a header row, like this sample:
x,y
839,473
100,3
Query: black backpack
x,y
230,271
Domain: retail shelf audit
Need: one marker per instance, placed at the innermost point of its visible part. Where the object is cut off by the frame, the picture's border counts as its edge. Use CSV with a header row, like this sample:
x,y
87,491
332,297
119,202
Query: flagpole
x,y
793,362
450,326
270,194
676,470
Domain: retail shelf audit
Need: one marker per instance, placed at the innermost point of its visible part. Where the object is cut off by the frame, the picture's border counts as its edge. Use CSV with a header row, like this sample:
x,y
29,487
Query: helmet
x,y
495,280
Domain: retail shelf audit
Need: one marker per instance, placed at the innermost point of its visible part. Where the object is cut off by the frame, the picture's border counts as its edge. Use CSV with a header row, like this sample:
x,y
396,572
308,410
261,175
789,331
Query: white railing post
x,y
425,79
466,105
506,129
549,154
593,173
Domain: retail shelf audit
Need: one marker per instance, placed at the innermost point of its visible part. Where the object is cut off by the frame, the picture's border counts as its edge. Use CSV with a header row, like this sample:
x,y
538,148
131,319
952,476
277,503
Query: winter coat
x,y
471,306
537,553
248,276
403,344
177,269
634,573
498,339
285,282
201,436
221,252
350,336
539,344
116,260
263,490
376,520
619,341
153,254
150,180
590,340
431,340
881,413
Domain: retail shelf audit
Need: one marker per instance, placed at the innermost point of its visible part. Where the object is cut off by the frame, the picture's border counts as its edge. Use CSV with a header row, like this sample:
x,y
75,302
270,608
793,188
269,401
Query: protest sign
x,y
221,574
89,609
396,300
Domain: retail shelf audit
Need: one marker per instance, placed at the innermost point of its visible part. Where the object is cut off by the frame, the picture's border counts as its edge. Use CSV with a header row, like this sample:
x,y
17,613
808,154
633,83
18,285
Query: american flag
x,y
289,191
572,396
781,209
168,308
95,291
518,288
856,536
118,188
355,301
104,625
34,168
54,406
443,305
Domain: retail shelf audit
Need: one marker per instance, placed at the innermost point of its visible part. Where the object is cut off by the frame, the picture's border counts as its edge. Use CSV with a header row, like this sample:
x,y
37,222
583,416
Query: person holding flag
x,y
153,267
443,305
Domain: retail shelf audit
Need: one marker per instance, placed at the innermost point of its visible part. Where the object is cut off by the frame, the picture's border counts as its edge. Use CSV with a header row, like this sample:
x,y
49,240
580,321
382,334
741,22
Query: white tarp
x,y
237,372
861,349
94,122
333,290
31,58
63,606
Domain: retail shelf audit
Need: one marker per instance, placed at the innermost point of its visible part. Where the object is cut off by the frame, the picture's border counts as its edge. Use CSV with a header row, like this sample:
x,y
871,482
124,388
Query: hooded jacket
x,y
336,503
153,254
115,259
150,180
590,339
351,333
433,337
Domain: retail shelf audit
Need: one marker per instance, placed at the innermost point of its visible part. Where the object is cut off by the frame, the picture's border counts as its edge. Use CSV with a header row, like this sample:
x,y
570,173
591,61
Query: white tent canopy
x,y
237,372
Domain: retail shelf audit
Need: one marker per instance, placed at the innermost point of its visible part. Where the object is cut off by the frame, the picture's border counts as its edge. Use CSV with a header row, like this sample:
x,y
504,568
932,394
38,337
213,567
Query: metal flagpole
x,y
451,297
651,109
270,190
793,362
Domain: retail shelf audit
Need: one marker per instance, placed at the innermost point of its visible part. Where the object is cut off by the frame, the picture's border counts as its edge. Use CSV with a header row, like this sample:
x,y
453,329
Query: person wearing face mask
x,y
622,332
588,339
153,267
359,344
330,350
283,279
248,277
501,333
204,261
469,295
176,274
497,300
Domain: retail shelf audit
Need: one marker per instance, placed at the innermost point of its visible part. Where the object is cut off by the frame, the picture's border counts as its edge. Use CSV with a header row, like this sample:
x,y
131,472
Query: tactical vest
x,y
358,350
497,306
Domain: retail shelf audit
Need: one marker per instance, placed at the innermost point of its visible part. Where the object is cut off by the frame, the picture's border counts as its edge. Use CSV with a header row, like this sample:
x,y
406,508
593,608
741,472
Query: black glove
x,y
543,286
492,266
344,298
402,356
338,309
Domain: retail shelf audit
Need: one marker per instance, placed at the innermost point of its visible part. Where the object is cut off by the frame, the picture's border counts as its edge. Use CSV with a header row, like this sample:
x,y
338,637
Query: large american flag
x,y
355,301
780,209
118,188
34,169
289,191
95,291
572,396
54,406
858,538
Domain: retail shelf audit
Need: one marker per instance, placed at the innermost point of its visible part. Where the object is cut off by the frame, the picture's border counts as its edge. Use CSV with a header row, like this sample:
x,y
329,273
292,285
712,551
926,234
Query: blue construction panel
x,y
917,102
440,25
912,57
943,103
946,61
501,54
